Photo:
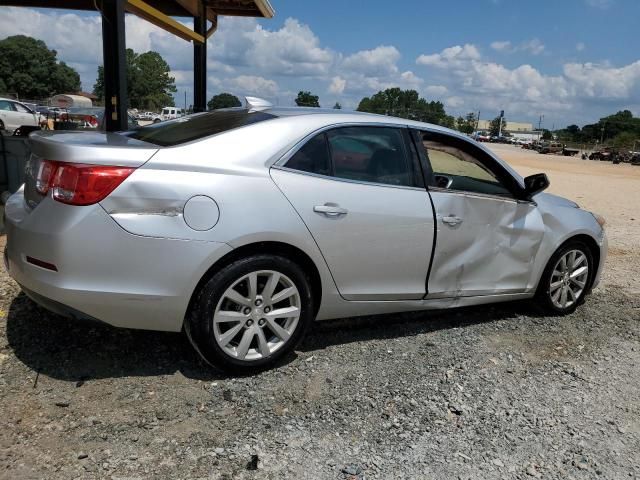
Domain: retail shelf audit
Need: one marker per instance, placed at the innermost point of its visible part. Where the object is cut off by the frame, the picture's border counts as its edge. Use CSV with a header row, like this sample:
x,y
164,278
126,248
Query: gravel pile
x,y
489,392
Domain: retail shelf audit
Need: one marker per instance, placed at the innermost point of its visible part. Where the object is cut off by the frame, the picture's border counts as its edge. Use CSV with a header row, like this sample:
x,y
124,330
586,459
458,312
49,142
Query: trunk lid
x,y
95,148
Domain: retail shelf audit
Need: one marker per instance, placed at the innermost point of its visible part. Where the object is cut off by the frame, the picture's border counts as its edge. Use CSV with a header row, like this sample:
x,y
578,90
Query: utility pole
x,y
540,126
500,127
477,121
602,134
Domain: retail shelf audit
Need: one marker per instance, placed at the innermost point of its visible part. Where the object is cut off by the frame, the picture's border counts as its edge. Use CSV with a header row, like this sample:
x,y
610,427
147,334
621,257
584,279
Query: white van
x,y
171,112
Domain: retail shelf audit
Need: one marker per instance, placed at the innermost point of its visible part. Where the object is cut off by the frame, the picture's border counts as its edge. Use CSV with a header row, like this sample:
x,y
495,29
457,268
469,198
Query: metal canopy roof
x,y
159,12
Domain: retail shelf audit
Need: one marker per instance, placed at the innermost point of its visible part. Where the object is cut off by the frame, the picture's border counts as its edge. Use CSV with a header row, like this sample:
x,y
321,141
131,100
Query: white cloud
x,y
337,85
604,82
292,50
254,85
380,61
454,102
533,46
477,83
455,54
501,46
436,91
580,46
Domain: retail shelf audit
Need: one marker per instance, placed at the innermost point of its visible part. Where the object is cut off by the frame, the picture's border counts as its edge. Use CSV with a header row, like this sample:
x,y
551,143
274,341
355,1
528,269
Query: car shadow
x,y
324,334
73,350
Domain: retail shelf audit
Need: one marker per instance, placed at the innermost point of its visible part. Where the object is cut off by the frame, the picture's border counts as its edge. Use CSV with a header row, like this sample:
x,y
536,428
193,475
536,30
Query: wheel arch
x,y
266,247
594,249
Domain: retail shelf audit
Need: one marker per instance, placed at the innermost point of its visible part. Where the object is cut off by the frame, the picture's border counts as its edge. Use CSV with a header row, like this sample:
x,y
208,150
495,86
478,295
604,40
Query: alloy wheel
x,y
256,315
569,279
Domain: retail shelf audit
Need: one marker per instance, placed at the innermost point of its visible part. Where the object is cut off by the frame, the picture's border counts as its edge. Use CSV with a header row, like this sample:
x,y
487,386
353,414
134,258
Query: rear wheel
x,y
566,279
251,313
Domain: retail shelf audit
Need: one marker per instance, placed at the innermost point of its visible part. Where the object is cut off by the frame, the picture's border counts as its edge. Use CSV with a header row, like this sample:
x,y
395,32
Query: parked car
x,y
241,226
14,114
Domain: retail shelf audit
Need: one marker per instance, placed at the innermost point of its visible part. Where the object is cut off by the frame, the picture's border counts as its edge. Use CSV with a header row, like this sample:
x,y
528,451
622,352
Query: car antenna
x,y
255,104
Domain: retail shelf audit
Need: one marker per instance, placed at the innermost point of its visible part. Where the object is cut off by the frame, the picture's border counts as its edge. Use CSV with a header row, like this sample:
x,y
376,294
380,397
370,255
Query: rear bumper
x,y
103,272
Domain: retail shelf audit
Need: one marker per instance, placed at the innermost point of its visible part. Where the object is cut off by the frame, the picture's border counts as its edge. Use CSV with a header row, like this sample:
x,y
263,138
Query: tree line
x,y
621,129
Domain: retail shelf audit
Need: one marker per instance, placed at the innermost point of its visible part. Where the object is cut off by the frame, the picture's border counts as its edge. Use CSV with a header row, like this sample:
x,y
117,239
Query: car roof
x,y
346,116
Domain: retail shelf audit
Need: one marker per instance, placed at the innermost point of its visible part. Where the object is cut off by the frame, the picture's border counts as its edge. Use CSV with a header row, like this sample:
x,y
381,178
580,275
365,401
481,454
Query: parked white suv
x,y
15,114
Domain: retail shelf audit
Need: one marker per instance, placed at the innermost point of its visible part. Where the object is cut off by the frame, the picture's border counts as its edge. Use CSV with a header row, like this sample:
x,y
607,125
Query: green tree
x,y
406,104
625,140
337,106
494,126
223,100
30,69
467,124
547,135
306,99
149,85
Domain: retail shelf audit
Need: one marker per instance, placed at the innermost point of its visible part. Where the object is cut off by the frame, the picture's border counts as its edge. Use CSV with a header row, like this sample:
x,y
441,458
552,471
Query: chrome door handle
x,y
451,220
330,210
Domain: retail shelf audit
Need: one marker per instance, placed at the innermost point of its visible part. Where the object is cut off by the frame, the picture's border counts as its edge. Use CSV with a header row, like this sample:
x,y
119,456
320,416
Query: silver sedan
x,y
242,226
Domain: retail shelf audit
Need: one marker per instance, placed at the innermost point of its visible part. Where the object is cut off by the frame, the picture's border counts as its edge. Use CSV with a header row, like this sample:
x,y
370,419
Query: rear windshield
x,y
199,125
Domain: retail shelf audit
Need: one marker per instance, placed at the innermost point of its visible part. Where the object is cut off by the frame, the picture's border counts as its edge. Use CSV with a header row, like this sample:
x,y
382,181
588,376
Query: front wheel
x,y
251,313
566,278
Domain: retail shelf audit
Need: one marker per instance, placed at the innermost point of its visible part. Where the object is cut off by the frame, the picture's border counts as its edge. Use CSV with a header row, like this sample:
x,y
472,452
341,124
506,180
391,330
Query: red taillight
x,y
77,183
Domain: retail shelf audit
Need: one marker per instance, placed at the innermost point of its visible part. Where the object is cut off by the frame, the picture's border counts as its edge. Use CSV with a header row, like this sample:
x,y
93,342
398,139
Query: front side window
x,y
455,168
21,108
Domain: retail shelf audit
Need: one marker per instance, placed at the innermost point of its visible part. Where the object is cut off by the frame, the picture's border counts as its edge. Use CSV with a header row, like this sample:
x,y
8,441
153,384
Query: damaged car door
x,y
487,236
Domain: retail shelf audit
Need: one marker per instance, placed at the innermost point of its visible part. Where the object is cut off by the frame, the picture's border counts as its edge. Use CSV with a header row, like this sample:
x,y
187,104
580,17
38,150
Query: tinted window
x,y
4,105
313,157
370,154
199,125
455,168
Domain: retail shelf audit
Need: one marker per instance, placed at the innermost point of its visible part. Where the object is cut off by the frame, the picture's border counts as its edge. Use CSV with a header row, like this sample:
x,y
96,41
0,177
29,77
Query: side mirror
x,y
536,183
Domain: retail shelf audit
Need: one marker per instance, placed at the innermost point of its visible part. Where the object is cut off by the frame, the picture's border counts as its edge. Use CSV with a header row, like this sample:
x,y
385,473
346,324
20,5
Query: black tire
x,y
543,295
199,324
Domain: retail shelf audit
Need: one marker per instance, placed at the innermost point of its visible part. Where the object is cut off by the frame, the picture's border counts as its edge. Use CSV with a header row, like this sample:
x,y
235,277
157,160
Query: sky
x,y
572,61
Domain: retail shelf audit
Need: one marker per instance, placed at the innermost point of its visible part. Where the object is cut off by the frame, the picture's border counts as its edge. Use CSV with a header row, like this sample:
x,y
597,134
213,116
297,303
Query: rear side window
x,y
364,154
4,105
193,127
313,157
370,154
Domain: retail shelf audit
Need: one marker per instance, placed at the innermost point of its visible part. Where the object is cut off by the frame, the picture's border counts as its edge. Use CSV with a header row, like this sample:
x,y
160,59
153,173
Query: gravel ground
x,y
491,392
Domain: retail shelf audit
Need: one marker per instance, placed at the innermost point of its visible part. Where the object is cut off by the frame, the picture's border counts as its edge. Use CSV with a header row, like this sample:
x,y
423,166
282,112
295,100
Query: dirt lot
x,y
491,392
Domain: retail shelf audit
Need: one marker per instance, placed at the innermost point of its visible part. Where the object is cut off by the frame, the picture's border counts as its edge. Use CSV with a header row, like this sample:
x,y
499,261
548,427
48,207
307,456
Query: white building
x,y
521,130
